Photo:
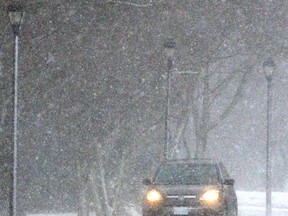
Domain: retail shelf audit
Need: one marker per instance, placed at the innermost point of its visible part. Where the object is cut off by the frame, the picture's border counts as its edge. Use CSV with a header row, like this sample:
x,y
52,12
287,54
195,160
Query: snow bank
x,y
258,199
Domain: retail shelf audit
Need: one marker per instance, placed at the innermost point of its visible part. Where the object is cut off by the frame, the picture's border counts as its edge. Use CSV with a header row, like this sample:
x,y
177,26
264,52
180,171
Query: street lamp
x,y
15,13
268,68
169,47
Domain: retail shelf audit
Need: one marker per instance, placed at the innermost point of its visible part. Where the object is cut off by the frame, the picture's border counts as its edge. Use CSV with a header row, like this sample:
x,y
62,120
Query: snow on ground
x,y
258,199
253,203
250,203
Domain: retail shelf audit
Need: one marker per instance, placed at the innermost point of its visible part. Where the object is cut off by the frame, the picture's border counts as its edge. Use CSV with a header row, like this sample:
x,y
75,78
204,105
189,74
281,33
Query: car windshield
x,y
192,174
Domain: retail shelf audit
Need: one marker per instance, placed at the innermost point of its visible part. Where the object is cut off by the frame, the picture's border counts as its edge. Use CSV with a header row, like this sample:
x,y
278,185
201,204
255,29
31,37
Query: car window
x,y
192,174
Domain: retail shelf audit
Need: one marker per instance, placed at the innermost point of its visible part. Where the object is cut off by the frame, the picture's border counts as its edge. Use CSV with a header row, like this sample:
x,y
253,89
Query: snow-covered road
x,y
249,204
253,203
260,211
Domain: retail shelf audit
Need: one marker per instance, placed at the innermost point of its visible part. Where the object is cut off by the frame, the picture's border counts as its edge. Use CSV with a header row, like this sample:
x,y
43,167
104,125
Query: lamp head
x,y
169,47
15,13
269,67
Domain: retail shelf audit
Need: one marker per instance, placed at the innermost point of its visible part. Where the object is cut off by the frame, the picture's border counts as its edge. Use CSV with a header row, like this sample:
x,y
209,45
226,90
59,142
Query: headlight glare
x,y
210,196
154,196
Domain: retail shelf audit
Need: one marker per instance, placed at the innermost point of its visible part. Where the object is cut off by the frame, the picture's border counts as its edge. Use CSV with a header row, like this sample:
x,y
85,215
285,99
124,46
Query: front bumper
x,y
185,210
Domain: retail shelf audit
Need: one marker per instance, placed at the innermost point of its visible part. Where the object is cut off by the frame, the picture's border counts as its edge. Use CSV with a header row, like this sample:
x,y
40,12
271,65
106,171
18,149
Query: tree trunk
x,y
101,191
105,203
202,131
179,140
83,176
201,144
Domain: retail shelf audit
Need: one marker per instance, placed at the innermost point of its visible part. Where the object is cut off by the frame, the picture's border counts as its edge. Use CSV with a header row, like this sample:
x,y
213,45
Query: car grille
x,y
182,200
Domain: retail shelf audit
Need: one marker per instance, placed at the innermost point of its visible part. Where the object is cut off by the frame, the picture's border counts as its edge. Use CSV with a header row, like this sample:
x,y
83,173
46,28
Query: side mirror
x,y
146,182
229,182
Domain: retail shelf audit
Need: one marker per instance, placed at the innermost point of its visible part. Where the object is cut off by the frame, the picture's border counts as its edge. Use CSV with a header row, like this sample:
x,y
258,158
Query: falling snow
x,y
95,105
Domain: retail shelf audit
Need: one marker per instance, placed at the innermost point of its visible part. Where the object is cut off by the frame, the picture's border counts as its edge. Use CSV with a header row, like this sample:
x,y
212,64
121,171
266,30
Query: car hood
x,y
184,189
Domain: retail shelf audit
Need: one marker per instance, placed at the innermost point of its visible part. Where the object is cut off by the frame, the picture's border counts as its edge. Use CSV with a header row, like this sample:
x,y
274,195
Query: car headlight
x,y
210,196
154,196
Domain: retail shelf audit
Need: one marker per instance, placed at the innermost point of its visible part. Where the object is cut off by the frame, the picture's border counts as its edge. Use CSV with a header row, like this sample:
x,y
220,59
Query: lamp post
x,y
169,47
15,13
268,68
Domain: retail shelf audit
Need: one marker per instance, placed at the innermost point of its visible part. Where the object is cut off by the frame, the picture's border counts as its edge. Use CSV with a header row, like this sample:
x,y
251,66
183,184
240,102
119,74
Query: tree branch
x,y
234,101
215,92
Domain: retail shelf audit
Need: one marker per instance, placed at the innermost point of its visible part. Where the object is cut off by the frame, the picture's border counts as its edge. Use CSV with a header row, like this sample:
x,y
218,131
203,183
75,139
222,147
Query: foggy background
x,y
92,96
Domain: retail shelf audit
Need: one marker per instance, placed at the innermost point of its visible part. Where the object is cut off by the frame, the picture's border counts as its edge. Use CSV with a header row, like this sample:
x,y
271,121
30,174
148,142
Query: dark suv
x,y
195,187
